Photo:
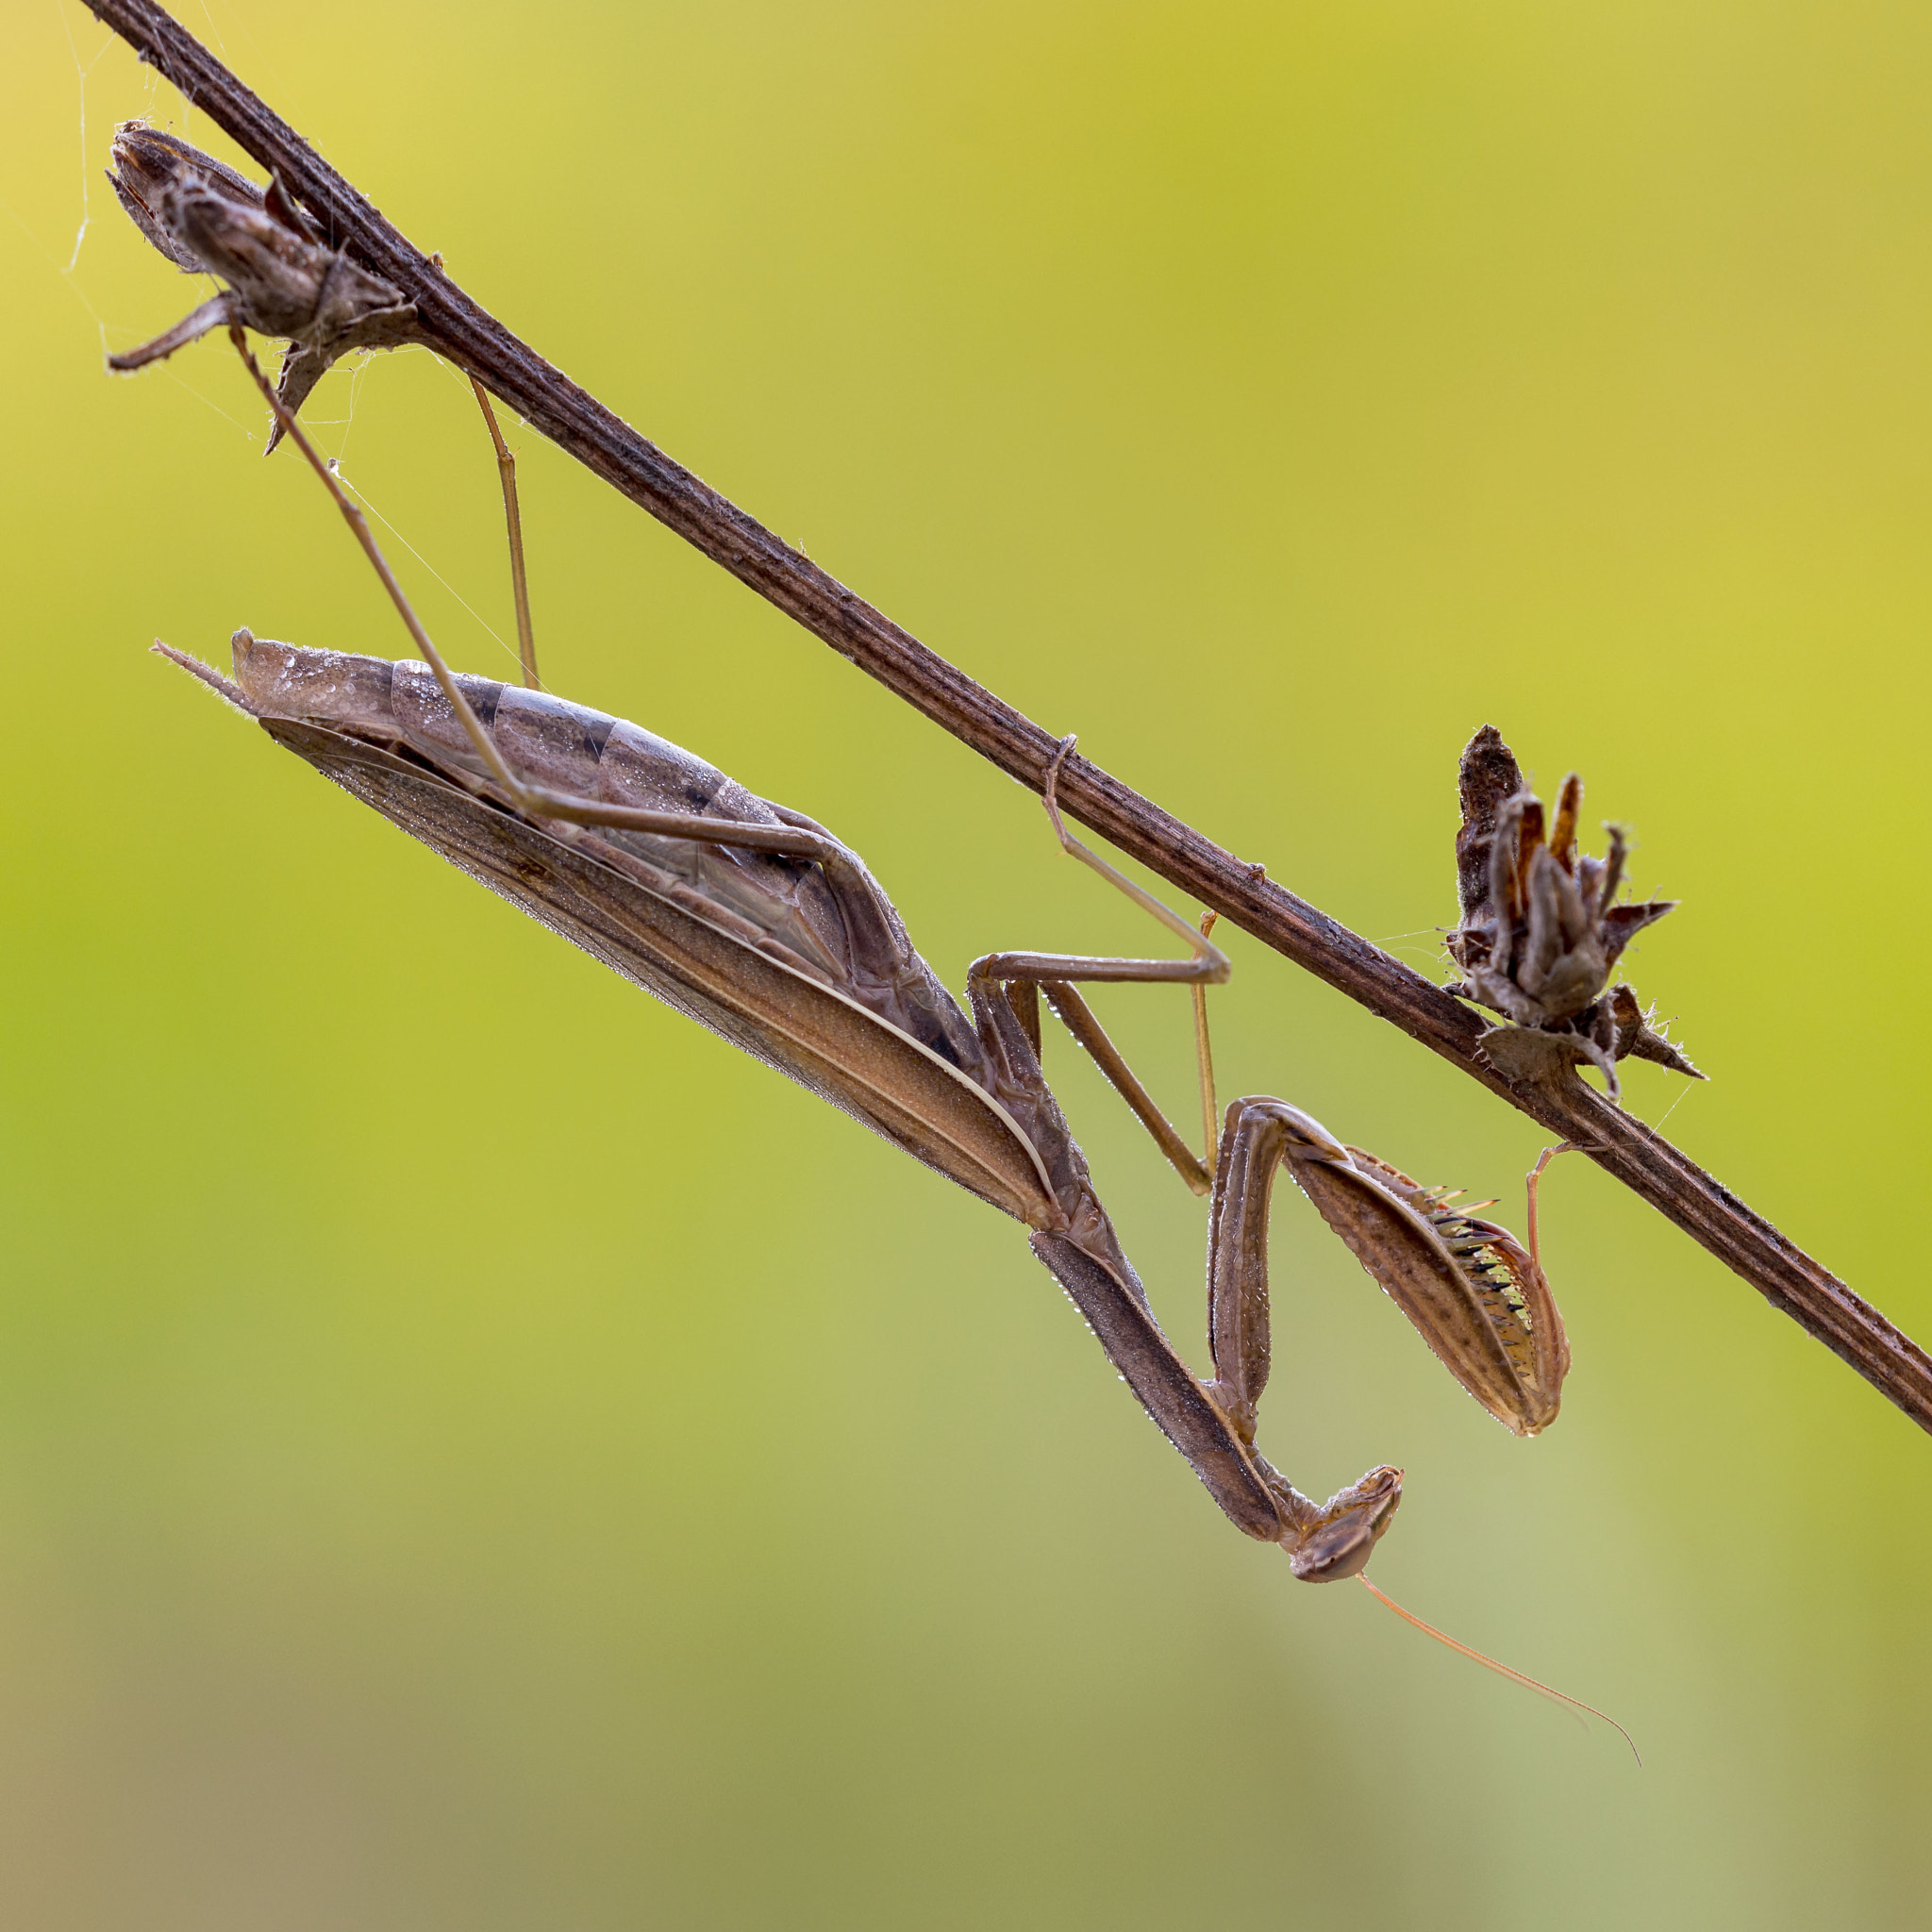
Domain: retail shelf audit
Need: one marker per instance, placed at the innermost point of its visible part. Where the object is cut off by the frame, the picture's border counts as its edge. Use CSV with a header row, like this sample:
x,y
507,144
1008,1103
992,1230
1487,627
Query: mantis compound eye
x,y
1350,1526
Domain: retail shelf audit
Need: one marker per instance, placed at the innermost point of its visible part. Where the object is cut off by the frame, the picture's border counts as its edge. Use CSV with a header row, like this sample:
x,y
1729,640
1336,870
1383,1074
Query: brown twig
x,y
477,344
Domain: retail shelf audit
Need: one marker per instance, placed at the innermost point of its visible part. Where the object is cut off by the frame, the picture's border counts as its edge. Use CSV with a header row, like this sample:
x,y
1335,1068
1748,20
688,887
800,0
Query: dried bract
x,y
279,277
1540,929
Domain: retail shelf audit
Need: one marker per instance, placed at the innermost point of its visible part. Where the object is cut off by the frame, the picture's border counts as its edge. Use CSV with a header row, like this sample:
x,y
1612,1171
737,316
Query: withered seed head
x,y
278,277
1540,929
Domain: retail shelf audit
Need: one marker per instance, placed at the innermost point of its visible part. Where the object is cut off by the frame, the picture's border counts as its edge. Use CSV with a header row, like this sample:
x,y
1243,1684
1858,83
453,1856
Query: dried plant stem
x,y
570,417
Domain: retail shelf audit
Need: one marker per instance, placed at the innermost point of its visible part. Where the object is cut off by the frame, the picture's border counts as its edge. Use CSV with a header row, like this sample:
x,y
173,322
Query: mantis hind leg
x,y
534,801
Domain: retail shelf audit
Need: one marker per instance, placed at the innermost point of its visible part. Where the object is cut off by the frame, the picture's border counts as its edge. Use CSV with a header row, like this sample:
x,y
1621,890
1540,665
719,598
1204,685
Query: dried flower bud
x,y
1540,931
279,278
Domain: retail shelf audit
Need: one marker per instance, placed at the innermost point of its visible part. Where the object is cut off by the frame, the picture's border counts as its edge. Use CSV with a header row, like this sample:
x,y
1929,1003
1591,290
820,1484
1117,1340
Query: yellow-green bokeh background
x,y
475,1453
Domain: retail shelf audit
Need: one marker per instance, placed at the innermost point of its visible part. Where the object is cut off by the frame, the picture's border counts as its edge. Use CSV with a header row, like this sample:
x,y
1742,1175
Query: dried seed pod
x,y
278,277
1540,929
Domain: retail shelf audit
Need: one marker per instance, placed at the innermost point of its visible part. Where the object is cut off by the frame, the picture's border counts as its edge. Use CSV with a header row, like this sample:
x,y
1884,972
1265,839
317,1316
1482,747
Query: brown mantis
x,y
761,924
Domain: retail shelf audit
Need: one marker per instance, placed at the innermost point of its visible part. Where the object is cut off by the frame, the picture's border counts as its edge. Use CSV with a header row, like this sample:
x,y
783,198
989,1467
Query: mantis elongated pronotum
x,y
761,924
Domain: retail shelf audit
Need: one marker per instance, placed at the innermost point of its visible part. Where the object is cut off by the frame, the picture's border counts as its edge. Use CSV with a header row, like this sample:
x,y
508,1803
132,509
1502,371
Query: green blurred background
x,y
476,1453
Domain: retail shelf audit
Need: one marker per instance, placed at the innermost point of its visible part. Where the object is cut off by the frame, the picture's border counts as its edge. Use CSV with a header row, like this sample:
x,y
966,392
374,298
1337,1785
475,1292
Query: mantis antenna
x,y
1490,1663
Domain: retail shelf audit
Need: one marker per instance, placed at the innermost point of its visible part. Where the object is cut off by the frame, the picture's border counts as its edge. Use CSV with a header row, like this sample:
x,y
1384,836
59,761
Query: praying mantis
x,y
760,924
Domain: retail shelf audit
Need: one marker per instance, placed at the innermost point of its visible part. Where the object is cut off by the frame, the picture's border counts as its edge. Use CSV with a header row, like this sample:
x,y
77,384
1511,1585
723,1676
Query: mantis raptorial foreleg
x,y
1478,1300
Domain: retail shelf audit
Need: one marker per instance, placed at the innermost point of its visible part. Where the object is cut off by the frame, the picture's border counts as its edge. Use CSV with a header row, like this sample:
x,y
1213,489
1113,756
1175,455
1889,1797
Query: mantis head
x,y
1344,1534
